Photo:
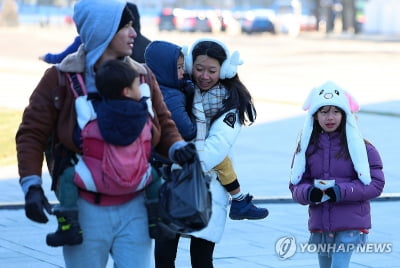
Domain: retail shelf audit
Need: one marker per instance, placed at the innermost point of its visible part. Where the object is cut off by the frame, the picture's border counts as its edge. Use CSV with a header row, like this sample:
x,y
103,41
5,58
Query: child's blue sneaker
x,y
245,209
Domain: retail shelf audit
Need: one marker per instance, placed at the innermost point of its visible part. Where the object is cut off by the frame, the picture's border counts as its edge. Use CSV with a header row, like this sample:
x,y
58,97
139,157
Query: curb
x,y
258,200
379,113
289,200
362,111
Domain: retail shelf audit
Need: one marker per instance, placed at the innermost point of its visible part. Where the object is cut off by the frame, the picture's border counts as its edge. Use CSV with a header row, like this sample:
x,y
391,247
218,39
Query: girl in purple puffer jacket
x,y
336,172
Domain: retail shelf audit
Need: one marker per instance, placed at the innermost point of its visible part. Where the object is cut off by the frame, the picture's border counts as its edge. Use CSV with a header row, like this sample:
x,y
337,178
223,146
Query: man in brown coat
x,y
50,127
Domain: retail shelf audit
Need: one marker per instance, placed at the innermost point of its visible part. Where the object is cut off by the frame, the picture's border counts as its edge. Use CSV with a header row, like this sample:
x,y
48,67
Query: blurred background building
x,y
382,17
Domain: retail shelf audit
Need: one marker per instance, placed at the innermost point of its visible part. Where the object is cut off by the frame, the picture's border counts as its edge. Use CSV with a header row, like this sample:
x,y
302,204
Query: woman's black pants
x,y
201,253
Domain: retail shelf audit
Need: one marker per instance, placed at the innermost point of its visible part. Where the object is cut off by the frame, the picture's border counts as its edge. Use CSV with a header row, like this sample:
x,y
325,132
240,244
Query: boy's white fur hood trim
x,y
331,94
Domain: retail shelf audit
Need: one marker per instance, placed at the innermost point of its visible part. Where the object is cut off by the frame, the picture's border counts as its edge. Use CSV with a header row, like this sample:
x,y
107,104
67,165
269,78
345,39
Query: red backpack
x,y
111,169
114,170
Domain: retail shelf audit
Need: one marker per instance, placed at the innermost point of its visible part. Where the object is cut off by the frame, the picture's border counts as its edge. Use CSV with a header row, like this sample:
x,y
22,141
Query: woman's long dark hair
x,y
239,96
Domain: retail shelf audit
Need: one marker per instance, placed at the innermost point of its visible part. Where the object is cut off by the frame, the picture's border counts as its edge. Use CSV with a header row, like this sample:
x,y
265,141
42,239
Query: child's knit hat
x,y
331,94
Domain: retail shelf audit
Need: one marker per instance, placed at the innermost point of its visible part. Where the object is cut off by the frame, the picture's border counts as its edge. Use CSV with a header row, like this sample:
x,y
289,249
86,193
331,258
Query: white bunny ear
x,y
308,101
353,104
235,58
188,62
230,65
185,50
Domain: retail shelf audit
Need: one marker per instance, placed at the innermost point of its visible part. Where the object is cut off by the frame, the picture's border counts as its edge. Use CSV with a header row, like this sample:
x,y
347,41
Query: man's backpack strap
x,y
77,84
147,78
58,156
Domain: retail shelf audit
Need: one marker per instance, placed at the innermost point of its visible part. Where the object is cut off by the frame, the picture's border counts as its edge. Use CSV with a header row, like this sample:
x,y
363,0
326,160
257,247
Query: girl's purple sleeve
x,y
356,190
300,192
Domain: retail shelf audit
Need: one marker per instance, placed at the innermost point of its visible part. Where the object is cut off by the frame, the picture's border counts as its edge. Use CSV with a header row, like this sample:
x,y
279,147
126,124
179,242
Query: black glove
x,y
333,193
187,85
188,90
315,194
185,154
35,202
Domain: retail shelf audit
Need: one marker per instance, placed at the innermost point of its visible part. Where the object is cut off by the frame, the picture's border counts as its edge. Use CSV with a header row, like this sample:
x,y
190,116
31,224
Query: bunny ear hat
x,y
331,94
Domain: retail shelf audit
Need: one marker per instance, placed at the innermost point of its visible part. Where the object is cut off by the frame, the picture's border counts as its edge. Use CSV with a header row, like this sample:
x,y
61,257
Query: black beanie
x,y
125,18
136,17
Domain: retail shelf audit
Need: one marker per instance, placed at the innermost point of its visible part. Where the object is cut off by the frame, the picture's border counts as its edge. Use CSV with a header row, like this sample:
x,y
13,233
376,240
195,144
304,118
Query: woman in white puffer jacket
x,y
221,106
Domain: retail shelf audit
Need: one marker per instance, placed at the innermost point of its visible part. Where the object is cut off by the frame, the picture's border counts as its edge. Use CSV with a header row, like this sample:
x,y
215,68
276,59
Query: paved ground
x,y
248,244
279,72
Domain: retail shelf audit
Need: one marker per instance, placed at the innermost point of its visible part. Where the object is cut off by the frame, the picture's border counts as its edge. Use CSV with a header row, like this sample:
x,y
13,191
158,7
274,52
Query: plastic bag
x,y
185,198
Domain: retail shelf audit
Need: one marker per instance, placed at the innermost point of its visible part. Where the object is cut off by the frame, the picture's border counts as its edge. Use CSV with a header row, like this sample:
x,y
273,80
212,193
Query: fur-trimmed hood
x,y
75,62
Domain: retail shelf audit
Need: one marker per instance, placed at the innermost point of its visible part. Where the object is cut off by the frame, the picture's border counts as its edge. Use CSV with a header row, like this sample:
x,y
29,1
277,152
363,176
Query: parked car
x,y
257,21
166,20
288,16
195,24
257,25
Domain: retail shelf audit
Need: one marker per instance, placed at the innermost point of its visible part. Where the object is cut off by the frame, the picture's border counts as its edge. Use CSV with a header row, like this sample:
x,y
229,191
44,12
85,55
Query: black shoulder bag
x,y
185,198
